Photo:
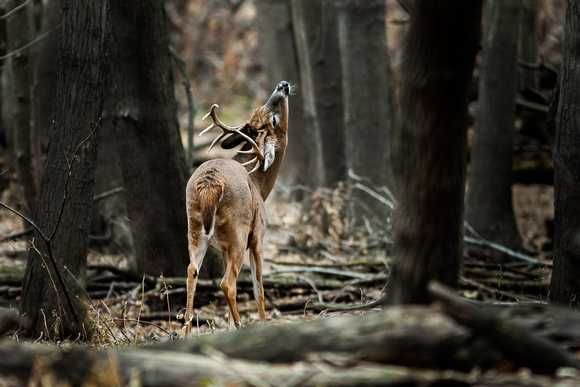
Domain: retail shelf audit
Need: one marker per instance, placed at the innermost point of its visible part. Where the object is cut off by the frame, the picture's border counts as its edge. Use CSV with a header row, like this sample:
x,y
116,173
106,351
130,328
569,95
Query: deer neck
x,y
264,181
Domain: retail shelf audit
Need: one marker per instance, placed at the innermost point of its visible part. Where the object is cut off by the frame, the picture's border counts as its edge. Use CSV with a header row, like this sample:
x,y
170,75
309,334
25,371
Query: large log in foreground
x,y
78,366
372,349
409,335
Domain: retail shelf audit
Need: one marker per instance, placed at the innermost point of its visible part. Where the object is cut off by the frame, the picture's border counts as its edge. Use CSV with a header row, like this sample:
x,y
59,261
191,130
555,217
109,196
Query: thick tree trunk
x,y
109,227
430,146
368,113
19,33
65,202
147,131
315,34
280,62
565,282
489,210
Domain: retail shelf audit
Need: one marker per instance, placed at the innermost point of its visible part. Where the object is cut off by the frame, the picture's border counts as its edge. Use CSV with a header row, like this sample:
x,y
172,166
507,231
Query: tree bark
x,y
430,147
368,112
148,138
19,33
65,202
489,210
565,282
315,34
6,132
45,83
110,229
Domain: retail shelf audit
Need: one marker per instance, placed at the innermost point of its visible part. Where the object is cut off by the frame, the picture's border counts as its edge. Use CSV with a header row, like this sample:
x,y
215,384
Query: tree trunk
x,y
315,34
109,227
148,138
45,79
430,145
565,282
368,113
6,85
277,48
489,210
65,202
19,33
5,133
532,121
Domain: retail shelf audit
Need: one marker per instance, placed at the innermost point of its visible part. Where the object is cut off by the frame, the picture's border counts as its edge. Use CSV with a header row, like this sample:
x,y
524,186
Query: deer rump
x,y
213,188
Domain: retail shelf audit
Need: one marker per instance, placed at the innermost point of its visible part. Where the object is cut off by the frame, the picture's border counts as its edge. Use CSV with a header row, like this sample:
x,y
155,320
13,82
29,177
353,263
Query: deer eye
x,y
274,120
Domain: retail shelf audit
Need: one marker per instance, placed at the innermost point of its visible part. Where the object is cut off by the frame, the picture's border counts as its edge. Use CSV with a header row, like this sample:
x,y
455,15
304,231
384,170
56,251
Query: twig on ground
x,y
320,270
505,250
138,321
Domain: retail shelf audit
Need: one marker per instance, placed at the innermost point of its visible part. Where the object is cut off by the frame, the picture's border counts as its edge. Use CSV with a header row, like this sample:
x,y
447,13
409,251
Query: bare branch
x,y
33,42
16,9
108,193
69,173
505,250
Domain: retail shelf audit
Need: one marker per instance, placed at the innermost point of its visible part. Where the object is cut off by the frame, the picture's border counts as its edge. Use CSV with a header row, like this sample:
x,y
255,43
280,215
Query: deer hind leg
x,y
233,259
198,245
256,260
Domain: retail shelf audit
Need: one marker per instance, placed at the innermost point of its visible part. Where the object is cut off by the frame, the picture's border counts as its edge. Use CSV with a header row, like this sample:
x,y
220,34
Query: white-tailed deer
x,y
225,200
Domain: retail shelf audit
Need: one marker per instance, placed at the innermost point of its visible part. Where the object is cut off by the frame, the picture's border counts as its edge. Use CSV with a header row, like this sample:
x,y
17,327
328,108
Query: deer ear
x,y
236,139
269,152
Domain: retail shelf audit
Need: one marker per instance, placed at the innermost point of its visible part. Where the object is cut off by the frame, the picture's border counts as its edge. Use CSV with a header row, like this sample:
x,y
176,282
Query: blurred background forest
x,y
330,214
428,140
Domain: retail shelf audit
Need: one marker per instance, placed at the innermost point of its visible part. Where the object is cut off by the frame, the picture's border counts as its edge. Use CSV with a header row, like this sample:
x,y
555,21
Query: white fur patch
x,y
269,153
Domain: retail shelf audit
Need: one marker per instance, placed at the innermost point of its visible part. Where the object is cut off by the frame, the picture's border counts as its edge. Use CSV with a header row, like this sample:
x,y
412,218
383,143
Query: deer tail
x,y
210,188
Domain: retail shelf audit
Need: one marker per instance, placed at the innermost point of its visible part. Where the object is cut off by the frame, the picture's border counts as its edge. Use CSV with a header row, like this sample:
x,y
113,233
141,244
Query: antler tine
x,y
255,150
217,123
227,130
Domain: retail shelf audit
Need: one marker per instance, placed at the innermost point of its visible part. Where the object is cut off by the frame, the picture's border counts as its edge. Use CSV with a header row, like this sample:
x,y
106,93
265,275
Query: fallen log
x,y
334,351
76,365
523,347
410,336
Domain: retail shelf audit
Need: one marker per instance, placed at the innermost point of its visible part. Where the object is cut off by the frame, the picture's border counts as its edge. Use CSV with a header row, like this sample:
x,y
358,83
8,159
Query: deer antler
x,y
228,130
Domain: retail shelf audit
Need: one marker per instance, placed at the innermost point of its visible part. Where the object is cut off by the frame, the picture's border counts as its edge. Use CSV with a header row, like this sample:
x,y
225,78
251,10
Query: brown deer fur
x,y
225,201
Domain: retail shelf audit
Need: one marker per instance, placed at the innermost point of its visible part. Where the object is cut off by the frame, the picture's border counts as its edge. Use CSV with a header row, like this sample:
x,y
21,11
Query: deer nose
x,y
284,86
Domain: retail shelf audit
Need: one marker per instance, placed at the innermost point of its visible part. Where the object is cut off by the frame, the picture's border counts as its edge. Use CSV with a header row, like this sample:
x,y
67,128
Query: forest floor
x,y
312,276
306,276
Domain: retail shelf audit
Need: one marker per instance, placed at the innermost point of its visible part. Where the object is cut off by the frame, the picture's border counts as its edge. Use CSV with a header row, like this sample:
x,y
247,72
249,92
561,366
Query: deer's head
x,y
268,124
